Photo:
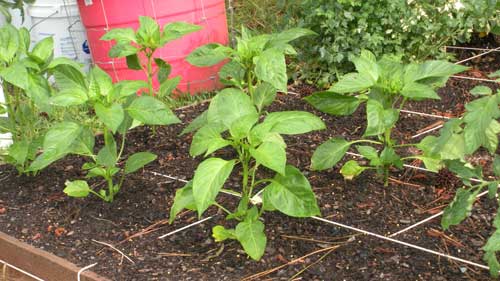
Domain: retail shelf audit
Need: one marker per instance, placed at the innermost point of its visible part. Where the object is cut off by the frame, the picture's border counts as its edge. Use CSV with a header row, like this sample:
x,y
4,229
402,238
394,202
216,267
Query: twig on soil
x,y
405,183
478,55
475,79
308,239
292,262
99,219
174,255
112,247
312,264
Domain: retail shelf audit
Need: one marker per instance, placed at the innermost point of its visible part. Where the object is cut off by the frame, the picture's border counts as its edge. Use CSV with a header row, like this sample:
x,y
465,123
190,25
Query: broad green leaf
x,y
369,153
491,259
69,78
19,151
252,237
209,55
293,122
493,244
449,145
459,208
127,88
329,153
228,106
24,40
112,116
168,86
264,95
138,160
351,169
288,35
496,165
233,74
481,91
16,74
481,126
122,50
366,65
207,140
120,35
389,157
151,111
57,143
379,119
9,43
492,190
417,91
184,199
133,62
164,69
107,156
242,126
39,92
219,233
64,61
434,164
148,33
333,103
84,144
291,194
430,69
197,123
69,97
43,50
464,170
270,66
176,30
208,180
352,83
77,188
271,153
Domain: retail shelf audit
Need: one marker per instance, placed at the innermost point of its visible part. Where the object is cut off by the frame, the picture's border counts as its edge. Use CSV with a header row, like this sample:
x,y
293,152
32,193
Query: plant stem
x,y
150,72
252,183
122,147
222,208
367,141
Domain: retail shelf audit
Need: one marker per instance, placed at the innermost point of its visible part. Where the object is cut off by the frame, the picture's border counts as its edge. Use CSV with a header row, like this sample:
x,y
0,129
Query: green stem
x,y
111,190
252,183
98,195
122,147
405,145
150,72
222,208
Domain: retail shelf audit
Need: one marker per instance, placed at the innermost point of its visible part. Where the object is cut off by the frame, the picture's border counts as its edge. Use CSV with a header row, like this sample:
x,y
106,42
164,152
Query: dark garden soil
x,y
34,210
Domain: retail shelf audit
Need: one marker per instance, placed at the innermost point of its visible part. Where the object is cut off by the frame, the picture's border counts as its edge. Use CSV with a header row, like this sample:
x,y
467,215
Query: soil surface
x,y
35,210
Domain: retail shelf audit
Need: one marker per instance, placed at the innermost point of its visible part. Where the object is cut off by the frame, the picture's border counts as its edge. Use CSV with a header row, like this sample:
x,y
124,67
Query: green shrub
x,y
415,28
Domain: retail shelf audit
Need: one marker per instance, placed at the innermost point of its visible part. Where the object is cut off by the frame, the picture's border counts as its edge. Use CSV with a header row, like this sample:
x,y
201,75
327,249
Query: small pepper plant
x,y
139,47
458,140
385,86
233,120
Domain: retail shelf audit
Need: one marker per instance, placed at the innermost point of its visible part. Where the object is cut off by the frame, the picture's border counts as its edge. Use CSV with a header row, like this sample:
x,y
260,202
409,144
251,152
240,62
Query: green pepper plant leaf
x,y
384,85
233,121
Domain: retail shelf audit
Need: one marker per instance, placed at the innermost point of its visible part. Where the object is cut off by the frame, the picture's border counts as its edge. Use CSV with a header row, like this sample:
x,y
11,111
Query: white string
x,y
470,48
185,227
427,219
22,271
203,13
107,29
400,242
479,55
424,114
427,131
84,269
475,79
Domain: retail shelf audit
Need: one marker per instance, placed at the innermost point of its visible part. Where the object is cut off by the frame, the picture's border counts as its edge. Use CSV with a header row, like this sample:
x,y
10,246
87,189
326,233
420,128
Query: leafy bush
x,y
385,85
417,29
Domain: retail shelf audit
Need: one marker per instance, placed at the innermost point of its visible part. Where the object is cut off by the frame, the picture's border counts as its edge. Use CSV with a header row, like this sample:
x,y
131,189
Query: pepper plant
x,y
385,86
139,47
6,5
459,139
118,108
233,120
24,73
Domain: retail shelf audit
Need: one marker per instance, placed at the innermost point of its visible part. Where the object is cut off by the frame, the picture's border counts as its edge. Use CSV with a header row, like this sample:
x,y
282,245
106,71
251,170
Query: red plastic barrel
x,y
99,16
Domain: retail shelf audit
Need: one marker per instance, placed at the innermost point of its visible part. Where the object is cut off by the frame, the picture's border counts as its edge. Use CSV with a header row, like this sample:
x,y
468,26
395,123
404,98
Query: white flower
x,y
458,5
388,31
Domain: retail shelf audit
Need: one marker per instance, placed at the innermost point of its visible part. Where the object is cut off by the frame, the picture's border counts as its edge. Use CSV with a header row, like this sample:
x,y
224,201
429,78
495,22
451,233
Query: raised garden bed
x,y
34,210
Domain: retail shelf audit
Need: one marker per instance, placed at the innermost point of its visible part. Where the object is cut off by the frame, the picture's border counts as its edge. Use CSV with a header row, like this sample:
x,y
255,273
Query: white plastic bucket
x,y
17,19
61,20
5,139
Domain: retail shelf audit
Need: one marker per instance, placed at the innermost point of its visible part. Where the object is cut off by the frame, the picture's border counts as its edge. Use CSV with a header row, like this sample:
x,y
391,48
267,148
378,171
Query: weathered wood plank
x,y
39,263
